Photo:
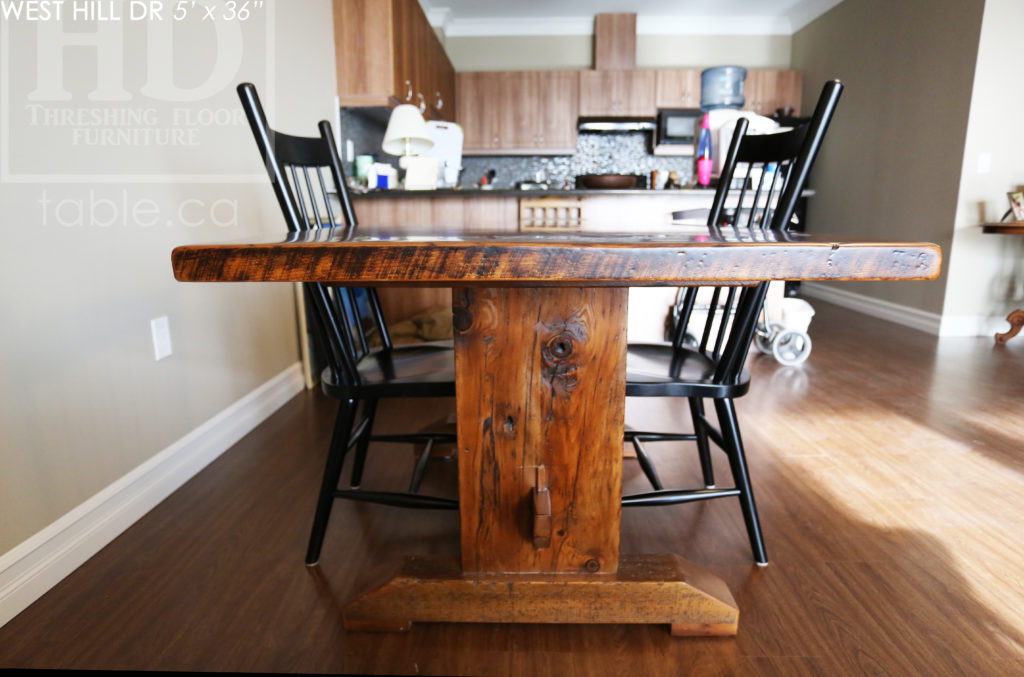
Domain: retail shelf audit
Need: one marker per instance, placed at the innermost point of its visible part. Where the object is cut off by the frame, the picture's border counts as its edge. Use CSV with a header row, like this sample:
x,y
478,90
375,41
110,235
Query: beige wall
x,y
891,163
986,272
83,402
551,52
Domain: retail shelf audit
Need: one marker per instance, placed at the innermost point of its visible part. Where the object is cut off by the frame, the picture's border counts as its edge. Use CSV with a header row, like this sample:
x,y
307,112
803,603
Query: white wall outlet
x,y
984,163
350,150
161,329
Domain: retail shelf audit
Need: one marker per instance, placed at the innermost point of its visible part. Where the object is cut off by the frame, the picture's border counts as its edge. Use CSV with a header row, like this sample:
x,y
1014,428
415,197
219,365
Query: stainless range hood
x,y
613,125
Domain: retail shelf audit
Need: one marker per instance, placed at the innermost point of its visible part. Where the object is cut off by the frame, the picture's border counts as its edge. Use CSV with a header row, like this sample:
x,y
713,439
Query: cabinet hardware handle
x,y
408,94
440,101
423,102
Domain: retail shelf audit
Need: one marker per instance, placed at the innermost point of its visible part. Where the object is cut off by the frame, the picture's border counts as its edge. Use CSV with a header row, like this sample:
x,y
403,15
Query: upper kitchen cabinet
x,y
617,93
768,90
615,42
518,112
677,88
388,54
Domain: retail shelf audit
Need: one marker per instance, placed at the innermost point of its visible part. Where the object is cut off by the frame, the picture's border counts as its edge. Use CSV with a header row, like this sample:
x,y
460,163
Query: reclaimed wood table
x,y
540,354
1016,317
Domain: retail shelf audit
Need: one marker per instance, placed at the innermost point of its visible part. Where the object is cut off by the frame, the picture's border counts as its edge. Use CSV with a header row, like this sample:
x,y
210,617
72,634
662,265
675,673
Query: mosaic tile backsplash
x,y
622,153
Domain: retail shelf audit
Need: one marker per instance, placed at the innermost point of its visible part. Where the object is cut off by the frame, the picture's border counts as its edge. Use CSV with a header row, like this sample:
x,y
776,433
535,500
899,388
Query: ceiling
x,y
576,17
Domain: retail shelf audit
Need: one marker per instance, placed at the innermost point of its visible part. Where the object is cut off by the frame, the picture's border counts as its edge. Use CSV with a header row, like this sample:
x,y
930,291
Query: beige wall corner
x,y
891,163
986,272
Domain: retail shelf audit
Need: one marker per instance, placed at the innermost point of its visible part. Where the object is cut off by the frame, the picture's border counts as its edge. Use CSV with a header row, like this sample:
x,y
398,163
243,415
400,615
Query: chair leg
x,y
738,464
646,465
332,472
420,468
697,414
369,411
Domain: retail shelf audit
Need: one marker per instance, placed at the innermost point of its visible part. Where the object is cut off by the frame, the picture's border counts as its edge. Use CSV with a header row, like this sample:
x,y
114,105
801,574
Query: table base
x,y
1016,320
647,589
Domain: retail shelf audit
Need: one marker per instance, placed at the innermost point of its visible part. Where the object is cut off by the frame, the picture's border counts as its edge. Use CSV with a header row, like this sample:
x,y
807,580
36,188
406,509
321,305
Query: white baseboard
x,y
885,310
31,568
945,326
973,325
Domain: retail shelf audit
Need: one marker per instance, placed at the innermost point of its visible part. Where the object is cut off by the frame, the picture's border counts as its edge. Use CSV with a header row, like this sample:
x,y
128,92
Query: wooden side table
x,y
1015,318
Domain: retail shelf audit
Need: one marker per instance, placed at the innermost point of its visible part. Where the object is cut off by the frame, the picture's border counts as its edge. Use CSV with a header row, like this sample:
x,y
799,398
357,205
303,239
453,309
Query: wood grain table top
x,y
1004,228
407,255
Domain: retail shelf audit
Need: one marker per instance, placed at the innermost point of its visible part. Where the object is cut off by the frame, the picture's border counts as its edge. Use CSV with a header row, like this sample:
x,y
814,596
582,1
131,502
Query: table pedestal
x,y
646,589
540,396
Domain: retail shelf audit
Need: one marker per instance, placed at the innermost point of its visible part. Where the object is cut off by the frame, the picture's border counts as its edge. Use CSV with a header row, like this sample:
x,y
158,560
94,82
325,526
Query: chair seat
x,y
417,370
655,369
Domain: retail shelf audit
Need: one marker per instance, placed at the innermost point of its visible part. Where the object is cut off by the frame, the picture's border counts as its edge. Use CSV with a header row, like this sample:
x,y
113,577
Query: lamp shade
x,y
407,132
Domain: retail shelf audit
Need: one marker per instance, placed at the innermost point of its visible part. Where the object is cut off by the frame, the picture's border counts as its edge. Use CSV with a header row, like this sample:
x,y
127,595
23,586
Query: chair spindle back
x,y
348,321
770,172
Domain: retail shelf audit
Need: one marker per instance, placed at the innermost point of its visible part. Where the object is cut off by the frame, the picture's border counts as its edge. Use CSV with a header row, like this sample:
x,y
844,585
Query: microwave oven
x,y
677,131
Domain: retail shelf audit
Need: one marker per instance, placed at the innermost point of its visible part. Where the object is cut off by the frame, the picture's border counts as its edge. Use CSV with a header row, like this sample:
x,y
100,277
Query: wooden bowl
x,y
608,181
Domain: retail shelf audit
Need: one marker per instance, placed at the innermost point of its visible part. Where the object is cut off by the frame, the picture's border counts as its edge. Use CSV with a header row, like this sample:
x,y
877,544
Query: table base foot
x,y
1016,320
648,589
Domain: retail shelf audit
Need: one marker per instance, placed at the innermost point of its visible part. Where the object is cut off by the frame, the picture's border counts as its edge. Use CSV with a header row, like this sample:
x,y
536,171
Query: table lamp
x,y
407,137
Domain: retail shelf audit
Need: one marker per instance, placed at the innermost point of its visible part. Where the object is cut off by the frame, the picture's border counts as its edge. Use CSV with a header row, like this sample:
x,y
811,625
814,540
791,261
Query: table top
x,y
458,256
1005,228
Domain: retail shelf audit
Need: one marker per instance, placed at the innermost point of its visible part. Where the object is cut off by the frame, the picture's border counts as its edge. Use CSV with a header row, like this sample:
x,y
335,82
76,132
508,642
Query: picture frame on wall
x,y
1017,205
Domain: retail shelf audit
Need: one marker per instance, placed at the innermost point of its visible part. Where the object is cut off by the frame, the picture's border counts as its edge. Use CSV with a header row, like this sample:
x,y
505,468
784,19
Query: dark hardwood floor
x,y
889,474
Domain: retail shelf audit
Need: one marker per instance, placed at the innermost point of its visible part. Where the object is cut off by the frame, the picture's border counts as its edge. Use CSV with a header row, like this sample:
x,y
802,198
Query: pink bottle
x,y
704,153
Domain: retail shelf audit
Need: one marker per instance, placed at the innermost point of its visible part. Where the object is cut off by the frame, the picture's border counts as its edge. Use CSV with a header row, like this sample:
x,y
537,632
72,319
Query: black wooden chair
x,y
363,366
705,357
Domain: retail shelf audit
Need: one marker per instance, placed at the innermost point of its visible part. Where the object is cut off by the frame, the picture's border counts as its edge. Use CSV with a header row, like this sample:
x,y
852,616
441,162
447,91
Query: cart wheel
x,y
764,338
791,347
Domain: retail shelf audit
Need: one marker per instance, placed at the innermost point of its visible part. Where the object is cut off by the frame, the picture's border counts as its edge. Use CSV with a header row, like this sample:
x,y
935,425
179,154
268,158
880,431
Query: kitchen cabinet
x,y
517,112
677,88
617,93
388,54
615,41
557,108
767,90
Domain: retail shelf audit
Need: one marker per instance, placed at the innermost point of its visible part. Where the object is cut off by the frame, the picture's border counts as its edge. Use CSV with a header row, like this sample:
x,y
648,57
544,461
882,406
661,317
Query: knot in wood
x,y
559,346
462,319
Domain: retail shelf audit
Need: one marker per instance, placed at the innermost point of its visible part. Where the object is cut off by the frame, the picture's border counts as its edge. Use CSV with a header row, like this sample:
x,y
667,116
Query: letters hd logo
x,y
120,90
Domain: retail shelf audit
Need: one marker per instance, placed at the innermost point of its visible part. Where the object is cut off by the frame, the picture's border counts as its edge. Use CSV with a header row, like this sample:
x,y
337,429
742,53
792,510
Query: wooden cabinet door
x,y
442,94
517,117
556,110
480,110
677,88
617,93
408,52
767,90
789,90
434,76
389,54
758,91
517,112
365,55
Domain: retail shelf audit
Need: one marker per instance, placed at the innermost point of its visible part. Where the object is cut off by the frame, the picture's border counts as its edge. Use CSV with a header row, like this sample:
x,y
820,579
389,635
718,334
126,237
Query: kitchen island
x,y
631,210
634,211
